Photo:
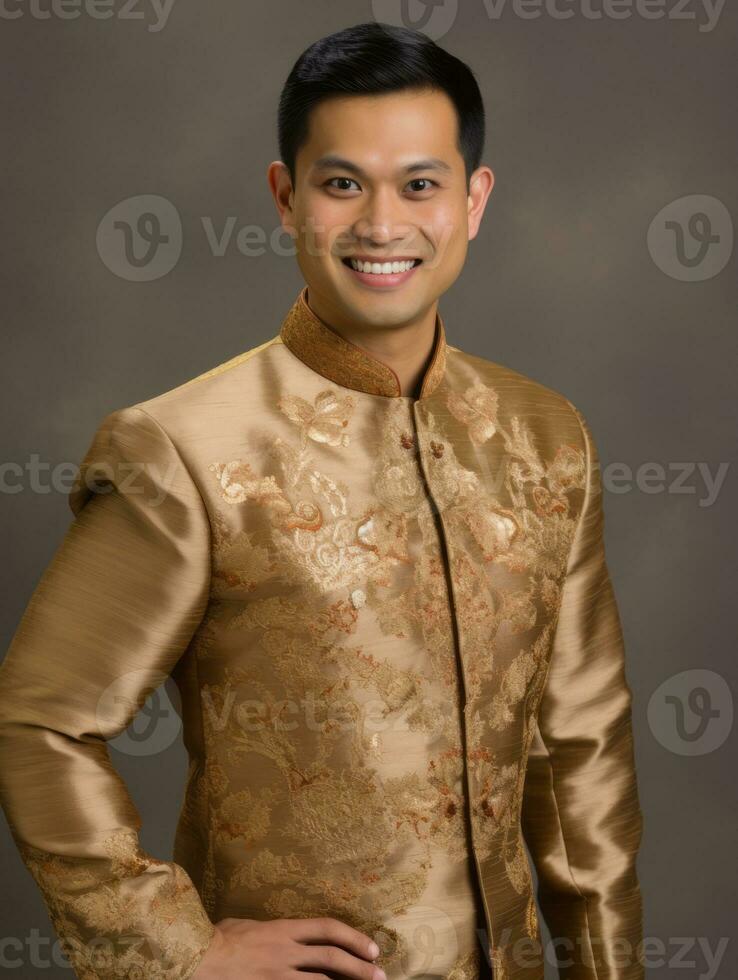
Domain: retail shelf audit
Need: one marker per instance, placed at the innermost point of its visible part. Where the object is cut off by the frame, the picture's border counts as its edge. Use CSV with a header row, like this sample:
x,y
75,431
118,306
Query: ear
x,y
480,187
280,184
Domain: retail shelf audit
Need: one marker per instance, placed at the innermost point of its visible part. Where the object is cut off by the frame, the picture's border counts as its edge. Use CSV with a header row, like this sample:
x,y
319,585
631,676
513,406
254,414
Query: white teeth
x,y
382,268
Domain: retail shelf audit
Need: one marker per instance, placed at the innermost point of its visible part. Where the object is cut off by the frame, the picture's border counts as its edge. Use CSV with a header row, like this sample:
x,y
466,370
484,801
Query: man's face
x,y
381,178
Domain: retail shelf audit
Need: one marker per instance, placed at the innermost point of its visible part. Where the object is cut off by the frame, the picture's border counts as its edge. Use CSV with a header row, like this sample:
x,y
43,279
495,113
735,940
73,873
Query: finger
x,y
330,931
333,959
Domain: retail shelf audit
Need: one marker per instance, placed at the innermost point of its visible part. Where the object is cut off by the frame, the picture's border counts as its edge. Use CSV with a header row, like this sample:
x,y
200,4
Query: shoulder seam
x,y
515,375
231,363
221,368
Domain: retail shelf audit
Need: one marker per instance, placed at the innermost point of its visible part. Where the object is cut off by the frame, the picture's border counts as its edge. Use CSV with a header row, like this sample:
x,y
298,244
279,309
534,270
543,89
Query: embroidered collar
x,y
337,359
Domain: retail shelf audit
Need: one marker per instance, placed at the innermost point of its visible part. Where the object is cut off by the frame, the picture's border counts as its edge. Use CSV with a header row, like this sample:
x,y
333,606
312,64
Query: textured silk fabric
x,y
399,656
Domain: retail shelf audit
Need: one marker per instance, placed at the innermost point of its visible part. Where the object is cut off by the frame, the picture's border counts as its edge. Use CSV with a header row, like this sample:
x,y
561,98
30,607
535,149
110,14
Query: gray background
x,y
593,127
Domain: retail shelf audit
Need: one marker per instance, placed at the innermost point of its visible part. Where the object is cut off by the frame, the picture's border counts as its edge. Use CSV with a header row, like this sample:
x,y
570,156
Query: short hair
x,y
375,58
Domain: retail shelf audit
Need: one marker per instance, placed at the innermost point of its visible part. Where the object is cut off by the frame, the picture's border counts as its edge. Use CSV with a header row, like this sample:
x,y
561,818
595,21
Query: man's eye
x,y
346,180
423,180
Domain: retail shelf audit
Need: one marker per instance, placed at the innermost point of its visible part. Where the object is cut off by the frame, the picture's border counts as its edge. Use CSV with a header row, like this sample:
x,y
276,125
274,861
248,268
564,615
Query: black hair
x,y
370,59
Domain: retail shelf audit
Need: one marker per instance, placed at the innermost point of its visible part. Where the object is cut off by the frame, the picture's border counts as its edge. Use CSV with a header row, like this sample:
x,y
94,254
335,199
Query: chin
x,y
390,310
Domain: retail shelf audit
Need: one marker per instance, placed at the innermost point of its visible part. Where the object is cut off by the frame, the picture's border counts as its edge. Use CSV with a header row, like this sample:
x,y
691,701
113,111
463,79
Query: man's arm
x,y
117,605
581,814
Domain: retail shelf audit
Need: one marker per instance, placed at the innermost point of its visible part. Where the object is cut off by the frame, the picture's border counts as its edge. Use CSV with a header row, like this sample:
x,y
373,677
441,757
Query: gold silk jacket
x,y
399,656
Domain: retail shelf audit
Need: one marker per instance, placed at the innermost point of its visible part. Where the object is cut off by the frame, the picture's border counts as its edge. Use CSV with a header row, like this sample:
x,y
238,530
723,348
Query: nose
x,y
382,219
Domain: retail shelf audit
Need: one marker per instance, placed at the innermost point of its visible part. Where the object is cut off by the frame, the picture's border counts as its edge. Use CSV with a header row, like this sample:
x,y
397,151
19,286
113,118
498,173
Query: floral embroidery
x,y
110,926
324,421
429,544
477,409
383,561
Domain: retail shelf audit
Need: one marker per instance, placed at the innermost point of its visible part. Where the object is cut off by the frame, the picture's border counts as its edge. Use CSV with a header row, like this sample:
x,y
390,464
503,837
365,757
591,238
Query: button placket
x,y
426,449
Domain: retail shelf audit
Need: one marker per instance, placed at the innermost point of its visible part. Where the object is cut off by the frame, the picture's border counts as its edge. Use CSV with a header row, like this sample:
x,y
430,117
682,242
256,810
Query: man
x,y
374,565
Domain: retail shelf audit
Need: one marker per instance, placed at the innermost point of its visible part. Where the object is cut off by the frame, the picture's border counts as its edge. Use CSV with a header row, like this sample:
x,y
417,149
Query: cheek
x,y
322,226
446,227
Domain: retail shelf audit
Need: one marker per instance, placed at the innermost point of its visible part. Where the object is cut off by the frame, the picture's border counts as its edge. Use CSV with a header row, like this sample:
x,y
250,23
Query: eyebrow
x,y
333,162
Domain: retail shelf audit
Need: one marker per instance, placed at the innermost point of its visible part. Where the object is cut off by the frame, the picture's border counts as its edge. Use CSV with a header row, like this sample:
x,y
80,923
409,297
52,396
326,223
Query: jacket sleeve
x,y
581,817
109,618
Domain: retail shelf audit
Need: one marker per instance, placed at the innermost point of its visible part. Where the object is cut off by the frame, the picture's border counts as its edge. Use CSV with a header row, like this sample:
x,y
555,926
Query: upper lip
x,y
384,258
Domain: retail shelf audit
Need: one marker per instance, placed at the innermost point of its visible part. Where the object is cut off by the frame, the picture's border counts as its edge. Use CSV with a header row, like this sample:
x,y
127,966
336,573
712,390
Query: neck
x,y
406,348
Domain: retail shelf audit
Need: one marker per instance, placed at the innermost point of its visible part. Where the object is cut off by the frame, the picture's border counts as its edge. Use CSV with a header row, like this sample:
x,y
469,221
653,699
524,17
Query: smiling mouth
x,y
381,268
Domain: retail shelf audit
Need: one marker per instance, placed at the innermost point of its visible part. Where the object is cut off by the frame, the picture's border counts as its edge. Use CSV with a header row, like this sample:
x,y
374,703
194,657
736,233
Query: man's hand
x,y
288,949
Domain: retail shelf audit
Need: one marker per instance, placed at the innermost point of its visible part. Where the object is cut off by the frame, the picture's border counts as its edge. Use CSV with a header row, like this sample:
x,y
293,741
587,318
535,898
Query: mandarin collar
x,y
342,362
